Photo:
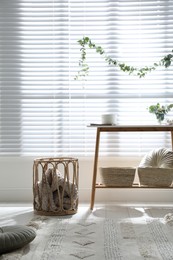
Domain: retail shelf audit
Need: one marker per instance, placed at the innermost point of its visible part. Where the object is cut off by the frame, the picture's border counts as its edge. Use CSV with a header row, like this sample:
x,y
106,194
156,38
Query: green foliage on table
x,y
140,72
160,111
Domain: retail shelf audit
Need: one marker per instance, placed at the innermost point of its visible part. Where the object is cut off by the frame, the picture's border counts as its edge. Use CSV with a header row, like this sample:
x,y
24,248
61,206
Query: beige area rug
x,y
114,233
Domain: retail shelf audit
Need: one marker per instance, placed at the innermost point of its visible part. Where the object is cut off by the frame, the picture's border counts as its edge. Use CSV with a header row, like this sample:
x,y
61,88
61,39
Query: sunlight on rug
x,y
111,233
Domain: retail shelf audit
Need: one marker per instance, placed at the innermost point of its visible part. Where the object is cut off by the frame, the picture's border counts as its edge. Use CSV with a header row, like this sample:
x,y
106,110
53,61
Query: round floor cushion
x,y
15,237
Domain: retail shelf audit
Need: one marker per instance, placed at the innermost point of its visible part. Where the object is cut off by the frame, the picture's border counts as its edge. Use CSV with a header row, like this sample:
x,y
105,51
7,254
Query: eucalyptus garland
x,y
140,72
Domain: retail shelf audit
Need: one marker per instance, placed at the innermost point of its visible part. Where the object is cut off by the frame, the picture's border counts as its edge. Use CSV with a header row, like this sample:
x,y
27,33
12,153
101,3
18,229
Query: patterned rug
x,y
120,233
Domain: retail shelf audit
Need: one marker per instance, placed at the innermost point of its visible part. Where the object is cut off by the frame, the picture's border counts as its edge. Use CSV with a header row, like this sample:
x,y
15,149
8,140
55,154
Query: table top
x,y
111,128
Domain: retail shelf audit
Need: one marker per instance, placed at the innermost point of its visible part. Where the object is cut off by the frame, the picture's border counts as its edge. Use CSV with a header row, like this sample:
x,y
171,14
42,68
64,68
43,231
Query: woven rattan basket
x,y
55,186
117,176
155,177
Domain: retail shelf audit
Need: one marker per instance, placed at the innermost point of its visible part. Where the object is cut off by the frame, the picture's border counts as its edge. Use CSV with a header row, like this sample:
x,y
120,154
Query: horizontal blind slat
x,y
43,110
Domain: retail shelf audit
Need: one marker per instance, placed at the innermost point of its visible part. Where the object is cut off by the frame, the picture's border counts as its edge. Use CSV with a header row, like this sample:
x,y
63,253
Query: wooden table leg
x,y
95,168
172,139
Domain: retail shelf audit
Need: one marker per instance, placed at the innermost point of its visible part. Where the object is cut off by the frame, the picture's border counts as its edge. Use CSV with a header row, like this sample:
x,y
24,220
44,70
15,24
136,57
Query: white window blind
x,y
44,111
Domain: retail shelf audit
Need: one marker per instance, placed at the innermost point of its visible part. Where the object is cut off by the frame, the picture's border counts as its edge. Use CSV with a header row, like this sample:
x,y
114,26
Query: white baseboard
x,y
128,195
102,195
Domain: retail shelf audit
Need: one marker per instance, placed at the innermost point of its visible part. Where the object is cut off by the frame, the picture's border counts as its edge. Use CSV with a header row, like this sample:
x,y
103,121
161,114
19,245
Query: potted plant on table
x,y
160,111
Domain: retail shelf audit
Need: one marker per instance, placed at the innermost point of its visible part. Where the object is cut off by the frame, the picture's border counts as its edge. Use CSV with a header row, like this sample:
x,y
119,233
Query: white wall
x,y
16,175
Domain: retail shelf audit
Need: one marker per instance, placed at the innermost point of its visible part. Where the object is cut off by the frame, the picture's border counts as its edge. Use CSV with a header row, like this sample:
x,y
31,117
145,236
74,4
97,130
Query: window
x,y
44,111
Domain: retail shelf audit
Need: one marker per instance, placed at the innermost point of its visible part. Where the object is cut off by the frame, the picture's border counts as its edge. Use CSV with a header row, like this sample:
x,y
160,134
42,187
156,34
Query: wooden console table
x,y
121,128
